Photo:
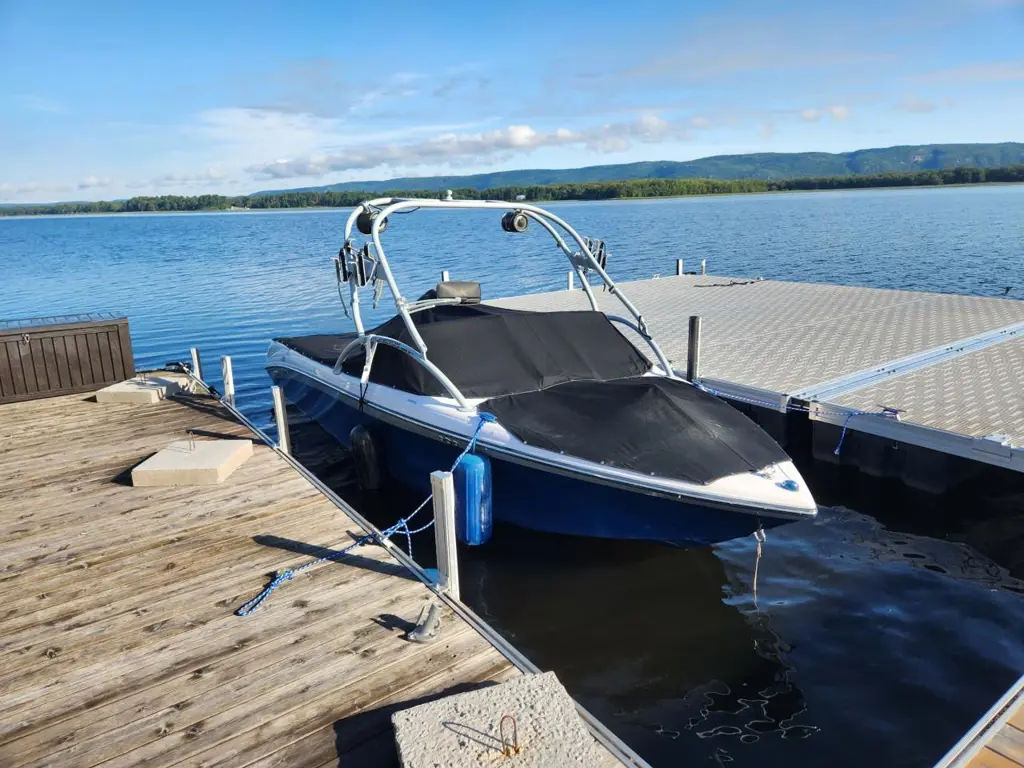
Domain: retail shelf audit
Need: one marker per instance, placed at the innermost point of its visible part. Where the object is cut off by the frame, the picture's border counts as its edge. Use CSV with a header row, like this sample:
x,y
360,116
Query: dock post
x,y
443,486
703,266
693,350
197,369
444,275
569,282
228,374
284,441
679,267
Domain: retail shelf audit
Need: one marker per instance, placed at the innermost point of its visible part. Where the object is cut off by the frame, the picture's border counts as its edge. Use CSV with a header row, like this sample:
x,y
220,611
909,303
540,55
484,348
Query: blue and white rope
x,y
402,527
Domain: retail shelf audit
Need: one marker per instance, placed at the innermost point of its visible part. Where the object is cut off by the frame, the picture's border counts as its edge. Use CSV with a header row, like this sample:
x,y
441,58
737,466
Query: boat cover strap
x,y
650,424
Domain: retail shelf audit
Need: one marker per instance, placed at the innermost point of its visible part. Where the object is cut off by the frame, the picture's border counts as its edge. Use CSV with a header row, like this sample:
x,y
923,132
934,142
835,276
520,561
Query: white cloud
x,y
838,112
722,45
460,148
983,72
767,132
211,175
22,191
33,102
247,129
699,121
241,137
912,103
10,191
407,77
91,182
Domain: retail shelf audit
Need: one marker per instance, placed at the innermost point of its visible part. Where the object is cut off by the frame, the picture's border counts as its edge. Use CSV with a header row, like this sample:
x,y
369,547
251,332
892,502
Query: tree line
x,y
634,188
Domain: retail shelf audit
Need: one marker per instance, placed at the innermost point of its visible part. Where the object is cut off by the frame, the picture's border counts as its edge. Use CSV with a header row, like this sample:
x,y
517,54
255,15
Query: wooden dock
x,y
997,740
952,366
117,629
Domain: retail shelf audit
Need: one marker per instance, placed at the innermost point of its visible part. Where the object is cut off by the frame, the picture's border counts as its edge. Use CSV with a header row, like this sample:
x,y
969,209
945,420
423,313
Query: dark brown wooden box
x,y
48,356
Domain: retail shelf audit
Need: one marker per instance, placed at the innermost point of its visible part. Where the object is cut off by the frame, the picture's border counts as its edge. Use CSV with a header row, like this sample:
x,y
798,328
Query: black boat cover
x,y
648,424
568,382
488,351
323,347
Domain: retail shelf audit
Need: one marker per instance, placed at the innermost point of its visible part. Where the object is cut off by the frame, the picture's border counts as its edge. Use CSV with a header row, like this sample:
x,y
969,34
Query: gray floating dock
x,y
951,365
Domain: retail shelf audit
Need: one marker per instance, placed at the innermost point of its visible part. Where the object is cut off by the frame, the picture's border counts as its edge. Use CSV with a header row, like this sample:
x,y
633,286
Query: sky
x,y
106,99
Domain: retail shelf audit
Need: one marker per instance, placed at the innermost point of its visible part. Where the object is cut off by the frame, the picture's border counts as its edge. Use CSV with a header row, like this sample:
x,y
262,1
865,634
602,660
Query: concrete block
x,y
204,462
140,391
463,730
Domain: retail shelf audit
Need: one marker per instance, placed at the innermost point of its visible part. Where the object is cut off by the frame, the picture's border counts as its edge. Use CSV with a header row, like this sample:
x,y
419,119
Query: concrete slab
x,y
204,462
463,730
139,391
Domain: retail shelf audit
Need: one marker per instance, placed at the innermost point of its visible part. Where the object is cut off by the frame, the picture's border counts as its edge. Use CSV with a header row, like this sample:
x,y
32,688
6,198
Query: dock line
x,y
846,414
402,526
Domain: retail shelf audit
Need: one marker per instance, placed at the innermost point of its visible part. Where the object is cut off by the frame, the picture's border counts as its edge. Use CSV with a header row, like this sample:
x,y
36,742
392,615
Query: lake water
x,y
879,633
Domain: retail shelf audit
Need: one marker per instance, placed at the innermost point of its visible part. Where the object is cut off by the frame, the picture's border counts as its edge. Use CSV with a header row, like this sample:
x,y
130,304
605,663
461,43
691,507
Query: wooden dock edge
x,y
981,734
612,743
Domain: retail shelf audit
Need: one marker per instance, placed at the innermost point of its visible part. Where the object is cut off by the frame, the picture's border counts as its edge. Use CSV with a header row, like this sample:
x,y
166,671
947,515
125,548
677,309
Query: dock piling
x,y
444,275
703,267
197,369
693,349
228,374
443,487
281,419
679,267
570,283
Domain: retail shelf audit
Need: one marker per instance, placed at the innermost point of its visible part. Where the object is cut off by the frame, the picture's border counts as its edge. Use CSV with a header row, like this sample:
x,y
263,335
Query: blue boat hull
x,y
523,495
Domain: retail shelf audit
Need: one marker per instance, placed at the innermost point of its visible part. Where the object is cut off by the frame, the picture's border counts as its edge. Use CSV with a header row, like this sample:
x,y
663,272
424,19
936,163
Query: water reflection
x,y
985,514
870,638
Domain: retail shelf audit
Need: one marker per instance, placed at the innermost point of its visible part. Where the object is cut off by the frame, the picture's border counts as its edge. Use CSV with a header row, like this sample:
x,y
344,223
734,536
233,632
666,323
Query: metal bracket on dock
x,y
764,398
991,449
998,445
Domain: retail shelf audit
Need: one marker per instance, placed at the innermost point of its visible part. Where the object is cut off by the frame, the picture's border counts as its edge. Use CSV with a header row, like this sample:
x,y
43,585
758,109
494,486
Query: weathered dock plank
x,y
117,635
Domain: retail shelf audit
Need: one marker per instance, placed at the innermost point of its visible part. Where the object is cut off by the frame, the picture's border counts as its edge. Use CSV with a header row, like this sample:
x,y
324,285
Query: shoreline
x,y
308,208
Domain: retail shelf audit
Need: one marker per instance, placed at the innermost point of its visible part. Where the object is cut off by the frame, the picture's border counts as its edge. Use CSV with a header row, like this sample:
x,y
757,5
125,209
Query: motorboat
x,y
584,433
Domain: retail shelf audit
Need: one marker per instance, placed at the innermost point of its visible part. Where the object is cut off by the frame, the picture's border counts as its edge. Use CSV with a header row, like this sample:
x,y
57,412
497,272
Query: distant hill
x,y
761,165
